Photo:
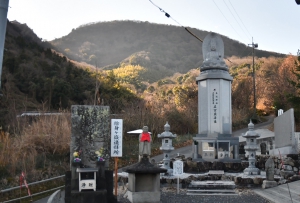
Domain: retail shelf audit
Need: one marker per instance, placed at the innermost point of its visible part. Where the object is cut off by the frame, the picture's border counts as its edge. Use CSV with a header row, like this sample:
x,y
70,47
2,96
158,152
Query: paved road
x,y
285,193
263,125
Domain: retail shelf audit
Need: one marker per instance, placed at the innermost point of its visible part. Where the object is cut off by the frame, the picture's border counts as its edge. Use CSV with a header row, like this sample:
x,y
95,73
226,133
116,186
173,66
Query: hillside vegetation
x,y
162,49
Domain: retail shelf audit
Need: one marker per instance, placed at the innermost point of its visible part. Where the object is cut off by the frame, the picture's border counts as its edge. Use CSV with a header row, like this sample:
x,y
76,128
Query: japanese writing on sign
x,y
116,137
177,167
215,102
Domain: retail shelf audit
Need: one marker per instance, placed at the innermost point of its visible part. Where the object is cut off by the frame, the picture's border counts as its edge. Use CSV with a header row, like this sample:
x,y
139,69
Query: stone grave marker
x,y
284,130
270,170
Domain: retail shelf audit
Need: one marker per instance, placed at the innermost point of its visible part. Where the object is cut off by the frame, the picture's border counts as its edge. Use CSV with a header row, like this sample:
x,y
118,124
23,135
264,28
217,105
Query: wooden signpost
x,y
116,145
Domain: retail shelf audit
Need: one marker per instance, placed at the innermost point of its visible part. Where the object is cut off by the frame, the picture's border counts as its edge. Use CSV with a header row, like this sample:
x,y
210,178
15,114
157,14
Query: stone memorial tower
x,y
214,104
251,148
167,146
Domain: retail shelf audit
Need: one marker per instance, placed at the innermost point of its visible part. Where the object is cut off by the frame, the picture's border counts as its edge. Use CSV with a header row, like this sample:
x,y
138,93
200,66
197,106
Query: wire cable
x,y
169,16
235,18
240,18
226,18
189,31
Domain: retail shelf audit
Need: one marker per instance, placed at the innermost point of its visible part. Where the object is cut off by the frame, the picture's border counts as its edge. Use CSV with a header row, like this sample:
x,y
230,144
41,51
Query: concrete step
x,y
211,192
213,185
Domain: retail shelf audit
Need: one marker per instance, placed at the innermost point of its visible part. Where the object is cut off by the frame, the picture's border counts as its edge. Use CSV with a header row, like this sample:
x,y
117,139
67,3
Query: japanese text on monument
x,y
215,102
116,137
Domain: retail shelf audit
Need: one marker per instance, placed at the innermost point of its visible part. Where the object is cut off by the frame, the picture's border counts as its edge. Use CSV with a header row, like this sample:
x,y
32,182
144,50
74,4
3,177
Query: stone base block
x,y
99,196
144,197
286,174
268,184
252,171
212,185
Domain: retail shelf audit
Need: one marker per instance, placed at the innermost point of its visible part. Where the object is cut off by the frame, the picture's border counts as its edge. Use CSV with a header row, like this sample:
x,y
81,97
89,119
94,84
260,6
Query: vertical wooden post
x,y
116,176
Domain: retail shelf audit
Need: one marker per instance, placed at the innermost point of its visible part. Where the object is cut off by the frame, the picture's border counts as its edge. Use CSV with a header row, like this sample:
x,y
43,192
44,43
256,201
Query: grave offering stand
x,y
87,178
251,147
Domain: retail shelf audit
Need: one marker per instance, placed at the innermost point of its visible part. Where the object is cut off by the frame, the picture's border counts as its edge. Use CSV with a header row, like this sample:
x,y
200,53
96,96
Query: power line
x,y
226,18
190,32
234,17
240,18
169,16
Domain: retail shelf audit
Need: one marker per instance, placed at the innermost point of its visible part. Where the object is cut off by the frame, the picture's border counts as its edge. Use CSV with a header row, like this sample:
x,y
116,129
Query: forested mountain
x,y
36,78
162,49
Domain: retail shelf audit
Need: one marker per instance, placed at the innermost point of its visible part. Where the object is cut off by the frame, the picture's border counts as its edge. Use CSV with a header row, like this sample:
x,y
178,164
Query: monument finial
x,y
250,125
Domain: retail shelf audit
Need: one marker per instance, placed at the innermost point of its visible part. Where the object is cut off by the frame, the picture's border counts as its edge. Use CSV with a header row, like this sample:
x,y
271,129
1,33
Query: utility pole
x,y
254,88
3,19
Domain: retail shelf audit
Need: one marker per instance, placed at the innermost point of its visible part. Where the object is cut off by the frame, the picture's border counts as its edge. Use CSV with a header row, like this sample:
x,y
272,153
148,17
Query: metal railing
x,y
34,183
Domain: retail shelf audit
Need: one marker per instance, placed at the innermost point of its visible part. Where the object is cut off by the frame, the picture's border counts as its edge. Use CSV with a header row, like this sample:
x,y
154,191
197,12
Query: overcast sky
x,y
273,24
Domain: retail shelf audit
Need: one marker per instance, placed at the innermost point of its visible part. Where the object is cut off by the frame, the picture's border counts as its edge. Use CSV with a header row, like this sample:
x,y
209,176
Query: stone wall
x,y
290,163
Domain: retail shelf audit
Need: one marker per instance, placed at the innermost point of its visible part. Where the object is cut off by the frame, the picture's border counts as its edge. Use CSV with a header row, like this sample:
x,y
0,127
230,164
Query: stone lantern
x,y
166,146
251,147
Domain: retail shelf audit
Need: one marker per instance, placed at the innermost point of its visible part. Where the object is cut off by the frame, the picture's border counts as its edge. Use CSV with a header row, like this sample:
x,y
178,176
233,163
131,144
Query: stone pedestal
x,y
144,182
268,184
99,196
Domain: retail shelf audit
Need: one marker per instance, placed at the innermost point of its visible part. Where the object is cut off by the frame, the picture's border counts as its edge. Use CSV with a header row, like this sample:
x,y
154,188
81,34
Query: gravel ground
x,y
168,195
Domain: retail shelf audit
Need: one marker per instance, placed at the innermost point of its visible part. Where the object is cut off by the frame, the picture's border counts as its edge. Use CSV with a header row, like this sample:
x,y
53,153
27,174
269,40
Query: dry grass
x,y
239,118
35,149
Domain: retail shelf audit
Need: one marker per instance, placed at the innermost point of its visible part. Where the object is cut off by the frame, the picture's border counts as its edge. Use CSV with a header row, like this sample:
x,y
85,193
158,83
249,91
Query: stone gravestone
x,y
270,170
88,150
284,130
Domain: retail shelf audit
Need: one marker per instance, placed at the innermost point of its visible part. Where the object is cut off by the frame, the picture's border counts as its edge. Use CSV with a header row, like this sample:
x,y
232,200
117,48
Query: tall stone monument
x,y
214,136
87,180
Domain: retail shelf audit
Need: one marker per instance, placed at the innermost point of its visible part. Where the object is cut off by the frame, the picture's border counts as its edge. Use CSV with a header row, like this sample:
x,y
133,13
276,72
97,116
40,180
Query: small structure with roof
x,y
167,147
251,147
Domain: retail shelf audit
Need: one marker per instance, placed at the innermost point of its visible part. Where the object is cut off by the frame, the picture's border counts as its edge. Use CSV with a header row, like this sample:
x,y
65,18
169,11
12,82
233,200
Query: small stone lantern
x,y
166,146
251,147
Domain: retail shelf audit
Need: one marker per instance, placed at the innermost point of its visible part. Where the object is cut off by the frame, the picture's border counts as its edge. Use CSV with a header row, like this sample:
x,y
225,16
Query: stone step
x,y
212,185
211,192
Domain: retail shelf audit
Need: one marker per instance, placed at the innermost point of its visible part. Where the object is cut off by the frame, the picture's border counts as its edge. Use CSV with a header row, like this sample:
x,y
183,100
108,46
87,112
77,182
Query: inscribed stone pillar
x,y
90,132
214,90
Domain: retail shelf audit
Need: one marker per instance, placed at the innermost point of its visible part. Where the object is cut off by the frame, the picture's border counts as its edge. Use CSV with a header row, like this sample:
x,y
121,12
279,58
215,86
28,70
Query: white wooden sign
x,y
116,137
177,168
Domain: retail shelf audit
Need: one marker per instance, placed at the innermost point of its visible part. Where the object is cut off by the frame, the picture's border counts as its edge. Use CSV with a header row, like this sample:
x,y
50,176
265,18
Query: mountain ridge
x,y
170,48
